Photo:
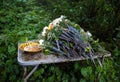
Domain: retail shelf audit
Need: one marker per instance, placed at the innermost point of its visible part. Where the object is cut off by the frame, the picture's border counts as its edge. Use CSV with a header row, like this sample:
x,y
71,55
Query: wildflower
x,y
57,21
88,34
82,31
62,17
41,41
44,31
45,28
50,27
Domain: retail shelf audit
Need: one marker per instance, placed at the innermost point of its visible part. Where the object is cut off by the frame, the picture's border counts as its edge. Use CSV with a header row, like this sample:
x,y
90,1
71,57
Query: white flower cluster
x,y
50,27
52,24
57,20
55,23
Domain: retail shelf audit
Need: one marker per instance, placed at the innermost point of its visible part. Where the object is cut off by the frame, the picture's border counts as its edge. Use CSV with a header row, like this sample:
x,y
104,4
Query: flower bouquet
x,y
64,38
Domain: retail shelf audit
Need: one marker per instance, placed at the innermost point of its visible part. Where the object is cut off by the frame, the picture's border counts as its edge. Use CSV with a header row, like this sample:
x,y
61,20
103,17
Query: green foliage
x,y
21,19
16,24
101,17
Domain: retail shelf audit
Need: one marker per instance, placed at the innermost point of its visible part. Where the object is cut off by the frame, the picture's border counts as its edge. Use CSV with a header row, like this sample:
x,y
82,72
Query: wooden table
x,y
35,59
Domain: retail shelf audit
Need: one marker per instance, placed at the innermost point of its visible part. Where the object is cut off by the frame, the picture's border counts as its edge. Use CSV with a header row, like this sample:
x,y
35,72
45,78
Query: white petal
x,y
89,34
41,41
57,20
62,17
43,33
45,28
82,30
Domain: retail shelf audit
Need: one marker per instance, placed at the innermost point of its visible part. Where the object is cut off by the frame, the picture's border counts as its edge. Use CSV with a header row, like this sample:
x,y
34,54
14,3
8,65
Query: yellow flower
x,y
50,27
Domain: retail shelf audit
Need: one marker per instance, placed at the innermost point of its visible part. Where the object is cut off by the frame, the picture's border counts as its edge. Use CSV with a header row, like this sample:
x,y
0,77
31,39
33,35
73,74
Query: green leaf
x,y
12,78
84,72
41,70
11,49
89,70
100,69
76,65
51,78
82,80
101,79
36,74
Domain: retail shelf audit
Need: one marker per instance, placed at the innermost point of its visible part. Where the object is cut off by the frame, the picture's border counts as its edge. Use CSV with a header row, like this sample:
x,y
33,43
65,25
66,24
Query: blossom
x,y
62,17
55,22
82,31
45,28
88,34
52,24
44,31
50,27
41,41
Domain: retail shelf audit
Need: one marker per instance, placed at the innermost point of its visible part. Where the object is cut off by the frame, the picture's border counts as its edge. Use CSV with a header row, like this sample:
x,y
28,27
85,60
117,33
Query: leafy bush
x,y
100,14
17,23
22,19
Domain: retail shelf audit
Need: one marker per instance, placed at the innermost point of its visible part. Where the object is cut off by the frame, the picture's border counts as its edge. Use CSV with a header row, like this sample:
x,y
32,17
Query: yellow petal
x,y
50,27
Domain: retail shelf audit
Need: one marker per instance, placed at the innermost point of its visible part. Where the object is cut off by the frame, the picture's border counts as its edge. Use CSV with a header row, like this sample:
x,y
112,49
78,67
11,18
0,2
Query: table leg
x,y
33,70
25,71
